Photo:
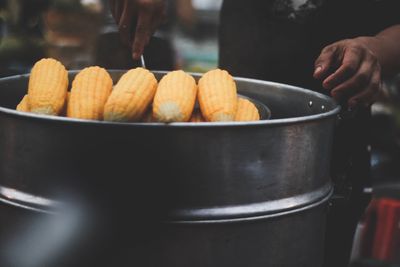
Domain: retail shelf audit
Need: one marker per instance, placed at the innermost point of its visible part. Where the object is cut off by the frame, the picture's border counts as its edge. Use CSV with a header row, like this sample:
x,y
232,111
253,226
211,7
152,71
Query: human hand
x,y
351,71
137,20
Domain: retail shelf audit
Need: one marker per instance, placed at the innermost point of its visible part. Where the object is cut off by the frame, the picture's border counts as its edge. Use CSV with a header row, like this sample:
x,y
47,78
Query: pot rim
x,y
270,122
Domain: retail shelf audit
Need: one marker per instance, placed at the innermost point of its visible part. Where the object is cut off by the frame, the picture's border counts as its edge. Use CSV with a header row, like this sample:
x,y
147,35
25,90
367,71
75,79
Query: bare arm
x,y
386,47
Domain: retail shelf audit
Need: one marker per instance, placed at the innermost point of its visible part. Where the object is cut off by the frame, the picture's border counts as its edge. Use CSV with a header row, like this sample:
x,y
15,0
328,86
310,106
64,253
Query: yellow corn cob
x,y
246,111
175,97
131,96
23,105
197,117
217,96
89,93
48,85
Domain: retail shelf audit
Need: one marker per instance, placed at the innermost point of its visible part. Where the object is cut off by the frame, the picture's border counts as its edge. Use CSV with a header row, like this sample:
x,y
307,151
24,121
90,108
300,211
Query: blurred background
x,y
81,33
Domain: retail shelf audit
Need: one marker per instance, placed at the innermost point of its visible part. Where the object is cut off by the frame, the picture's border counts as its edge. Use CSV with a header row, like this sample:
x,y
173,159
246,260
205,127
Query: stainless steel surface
x,y
287,239
205,167
204,194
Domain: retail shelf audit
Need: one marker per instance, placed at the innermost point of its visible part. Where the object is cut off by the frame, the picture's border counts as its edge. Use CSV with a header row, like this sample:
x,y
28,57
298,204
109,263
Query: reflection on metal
x,y
25,200
253,211
40,240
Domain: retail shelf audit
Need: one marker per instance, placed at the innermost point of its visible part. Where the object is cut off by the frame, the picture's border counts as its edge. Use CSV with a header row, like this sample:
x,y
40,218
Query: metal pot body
x,y
197,171
287,239
204,185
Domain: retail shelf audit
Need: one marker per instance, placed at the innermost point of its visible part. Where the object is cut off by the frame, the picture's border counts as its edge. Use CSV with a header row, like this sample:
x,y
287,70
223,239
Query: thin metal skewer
x,y
142,61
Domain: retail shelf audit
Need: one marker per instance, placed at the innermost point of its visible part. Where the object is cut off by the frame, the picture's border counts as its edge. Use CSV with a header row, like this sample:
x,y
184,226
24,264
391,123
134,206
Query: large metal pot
x,y
179,194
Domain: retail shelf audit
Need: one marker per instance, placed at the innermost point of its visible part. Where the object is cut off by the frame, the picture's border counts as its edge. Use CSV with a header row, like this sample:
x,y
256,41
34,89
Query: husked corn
x,y
217,96
47,88
175,97
23,105
197,117
246,111
89,93
131,96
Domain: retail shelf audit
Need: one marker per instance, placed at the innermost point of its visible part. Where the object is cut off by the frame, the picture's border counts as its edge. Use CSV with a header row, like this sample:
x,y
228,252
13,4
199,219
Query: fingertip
x,y
335,95
136,50
136,55
318,71
326,84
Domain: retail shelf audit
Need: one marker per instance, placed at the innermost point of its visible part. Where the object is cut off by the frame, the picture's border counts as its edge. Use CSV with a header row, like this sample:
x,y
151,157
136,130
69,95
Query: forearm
x,y
385,45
